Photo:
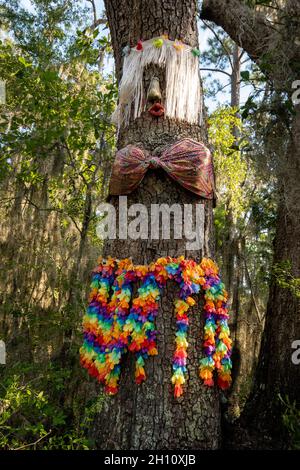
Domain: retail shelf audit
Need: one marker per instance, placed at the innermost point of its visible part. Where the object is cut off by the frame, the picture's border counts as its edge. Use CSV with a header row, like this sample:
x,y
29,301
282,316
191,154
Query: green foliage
x,y
291,420
31,414
246,207
245,75
56,135
230,165
58,104
285,279
56,143
249,107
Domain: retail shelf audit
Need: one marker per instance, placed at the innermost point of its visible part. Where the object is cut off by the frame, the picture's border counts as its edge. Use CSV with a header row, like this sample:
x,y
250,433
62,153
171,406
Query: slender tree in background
x,y
269,35
147,416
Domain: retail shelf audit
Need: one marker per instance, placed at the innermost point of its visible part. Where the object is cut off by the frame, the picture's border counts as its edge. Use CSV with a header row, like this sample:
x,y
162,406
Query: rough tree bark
x,y
147,416
277,44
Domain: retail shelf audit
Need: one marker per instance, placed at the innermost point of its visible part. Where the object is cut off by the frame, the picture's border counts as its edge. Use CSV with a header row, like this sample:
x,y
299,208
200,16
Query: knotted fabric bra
x,y
188,162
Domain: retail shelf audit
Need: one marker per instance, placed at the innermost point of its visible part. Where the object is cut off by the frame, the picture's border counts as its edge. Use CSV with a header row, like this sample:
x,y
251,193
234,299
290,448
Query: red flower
x,y
139,46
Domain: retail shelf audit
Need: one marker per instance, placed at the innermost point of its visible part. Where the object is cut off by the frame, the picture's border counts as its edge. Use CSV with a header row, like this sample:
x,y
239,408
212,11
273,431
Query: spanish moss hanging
x,y
116,323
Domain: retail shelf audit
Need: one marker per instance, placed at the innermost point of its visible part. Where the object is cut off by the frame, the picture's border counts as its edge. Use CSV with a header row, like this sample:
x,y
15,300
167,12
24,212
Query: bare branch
x,y
97,21
92,2
246,26
217,70
33,443
241,55
227,52
52,209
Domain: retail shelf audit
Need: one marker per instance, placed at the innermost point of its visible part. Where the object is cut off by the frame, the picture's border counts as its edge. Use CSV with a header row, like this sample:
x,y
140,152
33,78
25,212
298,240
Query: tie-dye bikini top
x,y
188,162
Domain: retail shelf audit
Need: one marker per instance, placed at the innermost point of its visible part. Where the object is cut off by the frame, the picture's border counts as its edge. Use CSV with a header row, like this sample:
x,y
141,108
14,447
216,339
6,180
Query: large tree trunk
x,y
147,416
276,374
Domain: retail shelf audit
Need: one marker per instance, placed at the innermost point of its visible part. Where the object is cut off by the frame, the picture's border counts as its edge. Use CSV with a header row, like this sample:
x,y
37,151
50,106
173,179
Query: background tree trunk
x,y
252,30
276,372
147,416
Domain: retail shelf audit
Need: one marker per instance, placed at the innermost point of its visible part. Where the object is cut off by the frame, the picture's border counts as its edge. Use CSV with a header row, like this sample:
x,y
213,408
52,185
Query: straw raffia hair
x,y
183,88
